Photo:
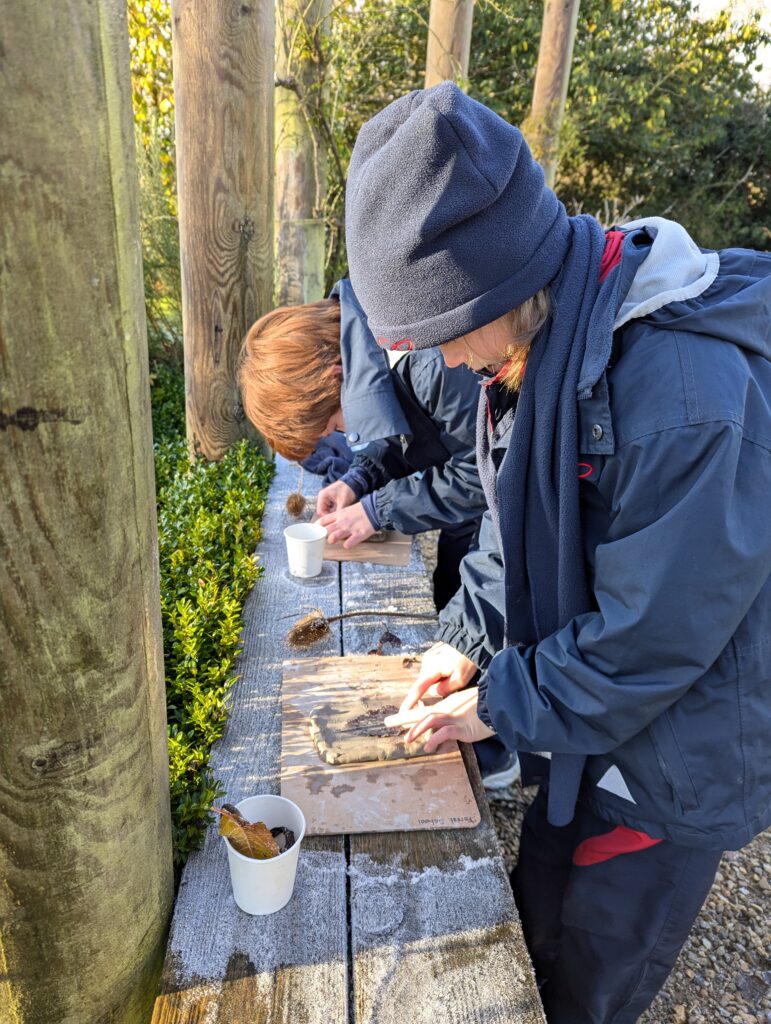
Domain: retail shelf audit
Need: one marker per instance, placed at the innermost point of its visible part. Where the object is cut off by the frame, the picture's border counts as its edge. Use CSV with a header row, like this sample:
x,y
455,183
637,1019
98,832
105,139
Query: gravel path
x,y
723,973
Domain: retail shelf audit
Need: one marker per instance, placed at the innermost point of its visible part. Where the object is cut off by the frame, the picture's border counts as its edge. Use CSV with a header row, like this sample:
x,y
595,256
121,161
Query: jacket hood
x,y
679,287
371,409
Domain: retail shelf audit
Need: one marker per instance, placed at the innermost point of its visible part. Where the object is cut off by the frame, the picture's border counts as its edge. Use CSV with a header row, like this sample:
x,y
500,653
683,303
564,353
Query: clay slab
x,y
357,734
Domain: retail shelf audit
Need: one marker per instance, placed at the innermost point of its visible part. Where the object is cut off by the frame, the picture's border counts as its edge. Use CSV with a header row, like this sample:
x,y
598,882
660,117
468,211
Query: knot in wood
x,y
27,418
245,228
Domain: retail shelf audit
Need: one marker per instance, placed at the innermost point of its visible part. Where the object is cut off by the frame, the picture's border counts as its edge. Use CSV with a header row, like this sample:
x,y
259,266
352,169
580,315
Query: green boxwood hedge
x,y
209,516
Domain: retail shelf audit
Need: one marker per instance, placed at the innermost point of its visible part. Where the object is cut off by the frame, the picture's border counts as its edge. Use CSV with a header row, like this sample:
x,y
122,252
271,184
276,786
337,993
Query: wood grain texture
x,y
85,831
222,966
300,151
421,793
433,933
552,77
223,87
449,41
396,549
434,928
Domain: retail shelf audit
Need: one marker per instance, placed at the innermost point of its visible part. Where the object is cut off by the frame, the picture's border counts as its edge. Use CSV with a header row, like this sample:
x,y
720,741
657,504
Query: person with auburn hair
x,y
618,604
307,371
290,375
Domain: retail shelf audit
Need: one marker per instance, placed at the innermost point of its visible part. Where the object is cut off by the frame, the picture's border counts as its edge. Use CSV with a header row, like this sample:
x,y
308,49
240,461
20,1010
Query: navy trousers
x,y
605,911
454,543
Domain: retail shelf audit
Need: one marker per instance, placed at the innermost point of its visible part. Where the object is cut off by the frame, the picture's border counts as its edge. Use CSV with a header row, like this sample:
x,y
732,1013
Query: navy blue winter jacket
x,y
417,421
666,684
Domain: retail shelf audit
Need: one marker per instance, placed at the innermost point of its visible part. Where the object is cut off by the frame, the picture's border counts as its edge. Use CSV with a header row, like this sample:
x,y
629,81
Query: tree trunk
x,y
223,89
85,832
449,40
542,128
300,155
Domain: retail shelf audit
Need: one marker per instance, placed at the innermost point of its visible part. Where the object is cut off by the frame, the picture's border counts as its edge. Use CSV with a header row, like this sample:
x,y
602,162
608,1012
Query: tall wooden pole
x,y
542,128
85,832
300,152
449,40
223,98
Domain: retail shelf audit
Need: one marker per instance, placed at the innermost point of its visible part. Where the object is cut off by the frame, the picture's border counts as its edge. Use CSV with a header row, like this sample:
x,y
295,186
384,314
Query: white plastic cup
x,y
265,886
305,544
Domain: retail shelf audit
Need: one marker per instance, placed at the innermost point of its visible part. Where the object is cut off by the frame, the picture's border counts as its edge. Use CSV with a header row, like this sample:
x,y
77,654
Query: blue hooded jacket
x,y
666,683
412,430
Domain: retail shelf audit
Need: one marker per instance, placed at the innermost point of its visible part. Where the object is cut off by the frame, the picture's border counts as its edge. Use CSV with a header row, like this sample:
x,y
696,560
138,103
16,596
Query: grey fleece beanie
x,y
448,222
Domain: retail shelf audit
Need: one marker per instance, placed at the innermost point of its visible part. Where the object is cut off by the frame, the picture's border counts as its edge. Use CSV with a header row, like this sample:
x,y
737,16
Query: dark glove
x,y
330,458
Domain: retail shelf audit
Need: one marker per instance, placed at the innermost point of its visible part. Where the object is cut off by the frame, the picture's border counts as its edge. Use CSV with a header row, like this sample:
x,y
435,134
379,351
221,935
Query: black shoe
x,y
498,767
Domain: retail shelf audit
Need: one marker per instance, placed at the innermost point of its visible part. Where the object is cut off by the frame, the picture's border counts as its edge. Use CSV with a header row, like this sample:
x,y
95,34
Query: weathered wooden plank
x,y
396,549
449,41
222,966
434,930
223,106
86,878
300,178
550,89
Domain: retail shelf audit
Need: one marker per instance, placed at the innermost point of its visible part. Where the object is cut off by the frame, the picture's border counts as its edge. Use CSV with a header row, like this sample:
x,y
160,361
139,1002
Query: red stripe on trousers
x,y
612,844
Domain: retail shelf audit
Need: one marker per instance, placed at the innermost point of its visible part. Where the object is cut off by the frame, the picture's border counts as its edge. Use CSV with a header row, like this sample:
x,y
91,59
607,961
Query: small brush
x,y
314,626
295,503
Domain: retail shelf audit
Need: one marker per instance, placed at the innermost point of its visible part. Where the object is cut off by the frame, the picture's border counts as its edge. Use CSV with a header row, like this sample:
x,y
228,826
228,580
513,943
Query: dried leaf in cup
x,y
252,839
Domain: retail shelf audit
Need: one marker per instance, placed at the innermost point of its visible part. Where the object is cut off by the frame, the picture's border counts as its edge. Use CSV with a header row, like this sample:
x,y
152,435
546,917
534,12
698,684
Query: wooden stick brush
x,y
295,503
314,626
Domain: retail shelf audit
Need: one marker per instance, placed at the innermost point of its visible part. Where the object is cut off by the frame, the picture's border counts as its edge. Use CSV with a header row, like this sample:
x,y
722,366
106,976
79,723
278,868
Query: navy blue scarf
x,y
534,497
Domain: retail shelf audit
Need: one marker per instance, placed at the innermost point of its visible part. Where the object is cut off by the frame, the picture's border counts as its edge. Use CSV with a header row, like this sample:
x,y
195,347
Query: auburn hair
x,y
525,322
289,375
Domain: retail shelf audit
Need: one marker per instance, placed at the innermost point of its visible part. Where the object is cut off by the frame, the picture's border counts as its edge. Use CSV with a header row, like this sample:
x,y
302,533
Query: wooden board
x,y
381,796
396,549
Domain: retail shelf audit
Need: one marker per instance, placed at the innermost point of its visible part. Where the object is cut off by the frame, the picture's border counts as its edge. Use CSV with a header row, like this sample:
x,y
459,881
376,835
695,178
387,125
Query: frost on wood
x,y
425,921
474,894
292,936
444,942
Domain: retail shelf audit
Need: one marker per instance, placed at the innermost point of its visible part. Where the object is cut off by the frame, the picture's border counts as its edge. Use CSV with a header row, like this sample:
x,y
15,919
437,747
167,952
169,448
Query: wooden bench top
x,y
382,928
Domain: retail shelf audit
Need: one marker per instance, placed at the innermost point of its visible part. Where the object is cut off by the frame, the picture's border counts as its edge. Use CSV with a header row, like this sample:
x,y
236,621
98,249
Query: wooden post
x,y
449,40
300,177
223,89
85,832
542,128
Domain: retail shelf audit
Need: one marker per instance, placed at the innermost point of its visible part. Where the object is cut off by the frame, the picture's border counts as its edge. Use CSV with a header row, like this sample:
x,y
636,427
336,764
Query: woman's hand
x,y
443,670
351,525
333,498
454,718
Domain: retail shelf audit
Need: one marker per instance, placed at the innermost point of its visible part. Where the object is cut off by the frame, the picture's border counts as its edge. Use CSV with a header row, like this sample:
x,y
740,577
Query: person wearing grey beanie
x,y
475,233
625,382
